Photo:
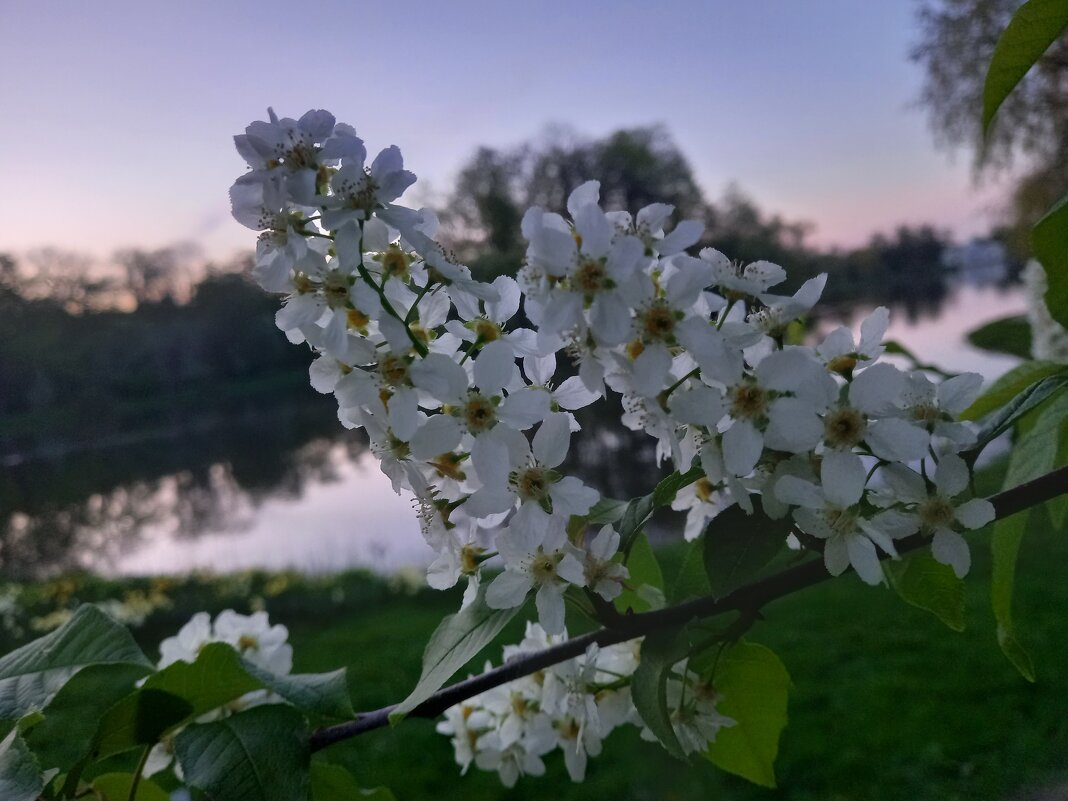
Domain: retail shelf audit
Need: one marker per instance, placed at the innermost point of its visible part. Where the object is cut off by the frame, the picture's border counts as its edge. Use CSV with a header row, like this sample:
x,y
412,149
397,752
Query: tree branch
x,y
750,598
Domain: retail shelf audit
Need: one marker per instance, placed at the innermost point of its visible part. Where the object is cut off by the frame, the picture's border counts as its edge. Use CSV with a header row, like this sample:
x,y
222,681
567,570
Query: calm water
x,y
295,491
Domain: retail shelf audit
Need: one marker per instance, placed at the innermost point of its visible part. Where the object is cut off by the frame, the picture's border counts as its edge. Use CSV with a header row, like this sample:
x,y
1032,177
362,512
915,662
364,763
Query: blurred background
x,y
154,422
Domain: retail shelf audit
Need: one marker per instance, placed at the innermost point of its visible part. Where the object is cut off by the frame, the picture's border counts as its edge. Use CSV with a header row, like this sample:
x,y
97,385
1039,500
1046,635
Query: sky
x,y
117,117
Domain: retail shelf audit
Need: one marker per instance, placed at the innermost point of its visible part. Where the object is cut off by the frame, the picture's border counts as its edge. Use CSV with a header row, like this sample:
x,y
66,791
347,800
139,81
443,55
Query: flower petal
x,y
949,548
843,476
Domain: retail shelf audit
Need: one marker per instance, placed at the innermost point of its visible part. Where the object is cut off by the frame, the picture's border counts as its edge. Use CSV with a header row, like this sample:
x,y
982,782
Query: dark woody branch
x,y
749,599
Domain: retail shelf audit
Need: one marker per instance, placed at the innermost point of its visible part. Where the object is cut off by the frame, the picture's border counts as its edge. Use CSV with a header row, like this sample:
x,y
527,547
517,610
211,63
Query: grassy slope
x,y
888,704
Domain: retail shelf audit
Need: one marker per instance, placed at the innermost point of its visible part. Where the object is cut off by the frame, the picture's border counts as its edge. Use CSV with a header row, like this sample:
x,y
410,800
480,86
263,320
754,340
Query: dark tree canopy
x,y
635,166
1030,132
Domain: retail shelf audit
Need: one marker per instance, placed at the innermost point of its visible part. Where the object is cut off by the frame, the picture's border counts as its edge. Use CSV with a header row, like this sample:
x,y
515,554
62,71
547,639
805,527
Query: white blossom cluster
x,y
1049,339
573,706
252,636
463,408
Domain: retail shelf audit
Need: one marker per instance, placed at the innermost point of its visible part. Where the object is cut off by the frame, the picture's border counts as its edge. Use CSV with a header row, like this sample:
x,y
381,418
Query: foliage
x,y
1010,335
957,42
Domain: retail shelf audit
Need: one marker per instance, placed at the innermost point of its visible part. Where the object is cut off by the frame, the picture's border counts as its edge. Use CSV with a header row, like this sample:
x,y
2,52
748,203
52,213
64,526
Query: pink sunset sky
x,y
118,115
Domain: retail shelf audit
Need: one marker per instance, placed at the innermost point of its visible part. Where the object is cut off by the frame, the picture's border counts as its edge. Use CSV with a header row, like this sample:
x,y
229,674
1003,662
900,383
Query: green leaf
x,y
117,786
645,577
692,579
1011,335
71,721
215,678
260,754
1016,653
754,687
1035,453
996,424
1050,241
331,782
606,510
1005,546
930,585
1010,385
324,694
20,778
31,675
1034,27
639,510
1039,439
141,719
661,650
738,545
179,692
456,641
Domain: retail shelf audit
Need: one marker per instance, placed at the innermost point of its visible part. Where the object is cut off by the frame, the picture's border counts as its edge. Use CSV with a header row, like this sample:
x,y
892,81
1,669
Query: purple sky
x,y
117,116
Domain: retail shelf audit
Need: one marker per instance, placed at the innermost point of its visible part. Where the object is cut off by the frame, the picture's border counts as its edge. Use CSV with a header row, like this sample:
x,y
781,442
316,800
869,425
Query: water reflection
x,y
293,490
92,508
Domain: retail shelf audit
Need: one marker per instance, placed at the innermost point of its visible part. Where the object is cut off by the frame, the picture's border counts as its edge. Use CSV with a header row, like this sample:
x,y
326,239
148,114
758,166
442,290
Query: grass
x,y
887,703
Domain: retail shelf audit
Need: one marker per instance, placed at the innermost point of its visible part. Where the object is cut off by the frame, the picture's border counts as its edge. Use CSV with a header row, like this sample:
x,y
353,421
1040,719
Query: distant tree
x,y
635,166
1030,132
737,226
155,275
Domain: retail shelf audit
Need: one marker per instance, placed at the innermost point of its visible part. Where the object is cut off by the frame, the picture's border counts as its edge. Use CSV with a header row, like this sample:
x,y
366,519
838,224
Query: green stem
x,y
420,348
721,318
138,771
413,311
692,374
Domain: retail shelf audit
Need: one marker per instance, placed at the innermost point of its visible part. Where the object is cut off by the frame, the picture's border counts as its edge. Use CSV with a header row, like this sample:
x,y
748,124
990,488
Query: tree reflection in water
x,y
85,510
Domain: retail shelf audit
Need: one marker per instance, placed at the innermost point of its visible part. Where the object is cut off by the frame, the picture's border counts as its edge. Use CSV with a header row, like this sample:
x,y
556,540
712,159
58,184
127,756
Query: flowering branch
x,y
750,599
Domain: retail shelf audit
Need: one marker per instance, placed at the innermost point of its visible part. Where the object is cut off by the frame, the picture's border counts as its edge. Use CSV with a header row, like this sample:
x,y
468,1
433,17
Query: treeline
x,y
642,165
74,375
158,345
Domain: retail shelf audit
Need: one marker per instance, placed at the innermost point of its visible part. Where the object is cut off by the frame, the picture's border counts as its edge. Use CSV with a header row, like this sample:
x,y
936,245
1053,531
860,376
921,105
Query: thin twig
x,y
750,598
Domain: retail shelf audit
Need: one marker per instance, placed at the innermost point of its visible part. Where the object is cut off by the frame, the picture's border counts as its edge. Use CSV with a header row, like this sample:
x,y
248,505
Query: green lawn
x,y
887,704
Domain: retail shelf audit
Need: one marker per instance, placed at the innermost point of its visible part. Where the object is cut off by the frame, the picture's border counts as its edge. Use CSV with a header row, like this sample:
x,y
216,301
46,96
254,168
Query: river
x,y
300,494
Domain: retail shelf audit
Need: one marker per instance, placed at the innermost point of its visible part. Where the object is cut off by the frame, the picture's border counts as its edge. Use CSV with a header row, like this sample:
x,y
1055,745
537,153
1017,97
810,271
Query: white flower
x,y
776,408
868,415
186,645
936,512
358,191
490,325
694,716
256,639
258,202
933,407
605,575
571,395
551,567
592,268
734,279
702,501
842,354
781,310
648,226
286,143
527,474
520,758
1049,339
830,512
